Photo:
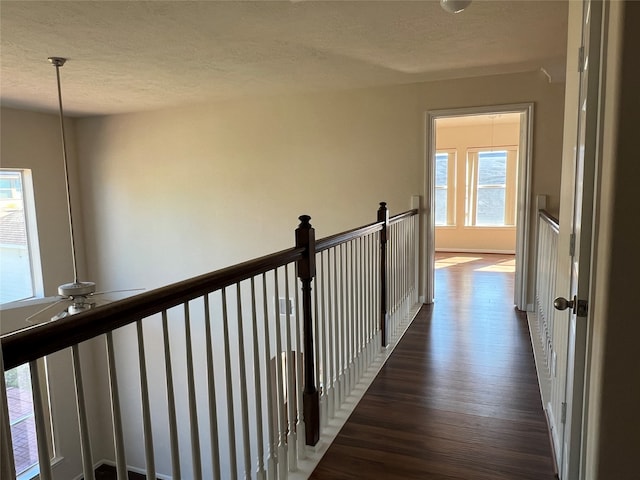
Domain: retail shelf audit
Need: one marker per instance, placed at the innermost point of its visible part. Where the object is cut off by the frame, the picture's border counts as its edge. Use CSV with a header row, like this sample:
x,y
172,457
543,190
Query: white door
x,y
568,385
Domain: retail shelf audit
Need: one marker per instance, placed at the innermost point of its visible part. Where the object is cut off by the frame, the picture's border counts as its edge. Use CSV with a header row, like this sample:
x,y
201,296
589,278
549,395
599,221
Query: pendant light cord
x,y
59,62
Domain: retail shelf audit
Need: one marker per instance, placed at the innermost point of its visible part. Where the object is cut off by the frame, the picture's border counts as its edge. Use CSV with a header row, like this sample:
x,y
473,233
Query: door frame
x,y
523,198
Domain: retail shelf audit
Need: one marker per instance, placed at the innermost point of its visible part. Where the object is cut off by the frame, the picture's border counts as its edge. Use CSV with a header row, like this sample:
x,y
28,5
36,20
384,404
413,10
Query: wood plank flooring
x,y
458,398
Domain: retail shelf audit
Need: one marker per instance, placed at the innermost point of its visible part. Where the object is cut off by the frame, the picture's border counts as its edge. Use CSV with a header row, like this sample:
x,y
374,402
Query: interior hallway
x,y
458,398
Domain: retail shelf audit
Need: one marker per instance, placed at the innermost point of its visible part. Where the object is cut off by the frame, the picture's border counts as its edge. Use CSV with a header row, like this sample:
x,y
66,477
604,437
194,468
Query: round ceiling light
x,y
454,6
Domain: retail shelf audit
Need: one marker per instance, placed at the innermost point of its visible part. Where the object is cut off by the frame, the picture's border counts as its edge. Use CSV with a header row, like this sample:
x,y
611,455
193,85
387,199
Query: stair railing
x,y
262,359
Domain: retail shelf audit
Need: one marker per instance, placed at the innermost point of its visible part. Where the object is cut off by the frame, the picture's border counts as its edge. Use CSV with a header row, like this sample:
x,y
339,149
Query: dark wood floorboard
x,y
458,398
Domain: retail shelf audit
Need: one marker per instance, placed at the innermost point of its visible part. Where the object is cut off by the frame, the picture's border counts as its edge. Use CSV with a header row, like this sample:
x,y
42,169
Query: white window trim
x,y
510,186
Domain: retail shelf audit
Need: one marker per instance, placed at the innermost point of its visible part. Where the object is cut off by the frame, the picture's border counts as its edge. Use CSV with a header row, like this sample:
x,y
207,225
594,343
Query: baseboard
x,y
475,250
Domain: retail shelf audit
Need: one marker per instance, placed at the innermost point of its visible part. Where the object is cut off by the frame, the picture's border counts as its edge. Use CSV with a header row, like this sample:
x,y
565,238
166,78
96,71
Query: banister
x,y
344,237
339,238
550,219
402,216
37,341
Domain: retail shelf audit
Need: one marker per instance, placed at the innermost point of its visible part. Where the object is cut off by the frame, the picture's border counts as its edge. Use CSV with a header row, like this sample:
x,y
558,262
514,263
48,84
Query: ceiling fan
x,y
77,296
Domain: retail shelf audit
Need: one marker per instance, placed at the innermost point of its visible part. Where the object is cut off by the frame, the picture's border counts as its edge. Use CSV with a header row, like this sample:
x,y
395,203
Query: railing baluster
x,y
233,465
317,351
343,331
282,423
171,402
146,412
300,378
322,320
211,390
292,441
44,458
260,472
361,313
352,316
243,386
7,462
331,339
191,387
337,342
116,415
85,439
271,433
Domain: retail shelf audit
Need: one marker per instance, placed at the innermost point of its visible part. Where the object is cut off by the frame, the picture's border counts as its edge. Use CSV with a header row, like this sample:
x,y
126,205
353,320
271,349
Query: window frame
x,y
510,186
450,188
31,227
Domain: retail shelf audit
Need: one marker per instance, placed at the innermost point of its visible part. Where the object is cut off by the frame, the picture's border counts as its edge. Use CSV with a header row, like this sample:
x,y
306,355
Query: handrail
x,y
37,341
344,237
550,219
402,216
34,342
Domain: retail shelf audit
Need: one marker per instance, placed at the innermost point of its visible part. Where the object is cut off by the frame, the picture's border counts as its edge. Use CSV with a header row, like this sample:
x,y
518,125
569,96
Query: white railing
x,y
546,264
230,374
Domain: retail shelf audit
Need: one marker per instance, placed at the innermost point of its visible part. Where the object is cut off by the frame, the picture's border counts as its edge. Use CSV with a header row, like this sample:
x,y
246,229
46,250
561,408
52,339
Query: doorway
x,y
477,190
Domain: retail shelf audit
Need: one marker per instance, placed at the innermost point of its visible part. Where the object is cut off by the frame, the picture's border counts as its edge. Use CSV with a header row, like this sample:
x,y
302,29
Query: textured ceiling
x,y
130,56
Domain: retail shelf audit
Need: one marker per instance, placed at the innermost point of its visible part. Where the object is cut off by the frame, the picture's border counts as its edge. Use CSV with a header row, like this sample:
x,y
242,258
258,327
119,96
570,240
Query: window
x,y
19,264
21,418
491,195
445,168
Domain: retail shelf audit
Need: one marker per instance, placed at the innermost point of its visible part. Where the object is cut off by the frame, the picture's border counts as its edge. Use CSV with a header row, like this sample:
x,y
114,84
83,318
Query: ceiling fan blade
x,y
31,318
117,291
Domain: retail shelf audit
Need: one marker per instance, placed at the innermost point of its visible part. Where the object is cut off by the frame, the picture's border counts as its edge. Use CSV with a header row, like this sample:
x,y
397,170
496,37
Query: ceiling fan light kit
x,y
454,6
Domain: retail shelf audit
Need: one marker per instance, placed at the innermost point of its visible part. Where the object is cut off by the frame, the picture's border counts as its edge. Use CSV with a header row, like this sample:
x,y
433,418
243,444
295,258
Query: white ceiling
x,y
131,55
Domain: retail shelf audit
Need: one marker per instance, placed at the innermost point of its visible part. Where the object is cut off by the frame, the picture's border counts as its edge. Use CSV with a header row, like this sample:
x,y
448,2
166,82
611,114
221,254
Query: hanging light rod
x,y
77,287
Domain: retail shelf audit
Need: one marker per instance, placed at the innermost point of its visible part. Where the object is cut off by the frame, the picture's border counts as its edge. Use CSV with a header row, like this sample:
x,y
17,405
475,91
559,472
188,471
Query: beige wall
x,y
207,186
460,138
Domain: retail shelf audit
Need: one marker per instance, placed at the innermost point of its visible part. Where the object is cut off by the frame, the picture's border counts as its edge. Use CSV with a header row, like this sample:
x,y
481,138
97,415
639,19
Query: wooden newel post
x,y
383,216
306,238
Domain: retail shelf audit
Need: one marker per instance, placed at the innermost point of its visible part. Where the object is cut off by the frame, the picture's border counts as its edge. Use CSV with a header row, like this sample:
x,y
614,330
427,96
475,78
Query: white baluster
x,y
292,441
191,387
116,415
44,457
260,471
211,388
233,465
282,422
300,429
85,440
244,408
271,431
331,364
337,332
146,413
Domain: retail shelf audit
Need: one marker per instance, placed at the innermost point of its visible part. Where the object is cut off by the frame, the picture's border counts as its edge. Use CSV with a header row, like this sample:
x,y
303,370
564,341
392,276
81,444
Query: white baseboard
x,y
475,250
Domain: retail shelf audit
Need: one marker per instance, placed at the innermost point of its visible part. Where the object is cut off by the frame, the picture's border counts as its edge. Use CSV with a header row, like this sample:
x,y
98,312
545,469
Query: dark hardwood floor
x,y
458,398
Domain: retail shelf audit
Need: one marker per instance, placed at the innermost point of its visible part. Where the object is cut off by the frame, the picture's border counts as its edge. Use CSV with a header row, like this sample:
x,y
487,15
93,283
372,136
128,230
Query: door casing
x,y
523,198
